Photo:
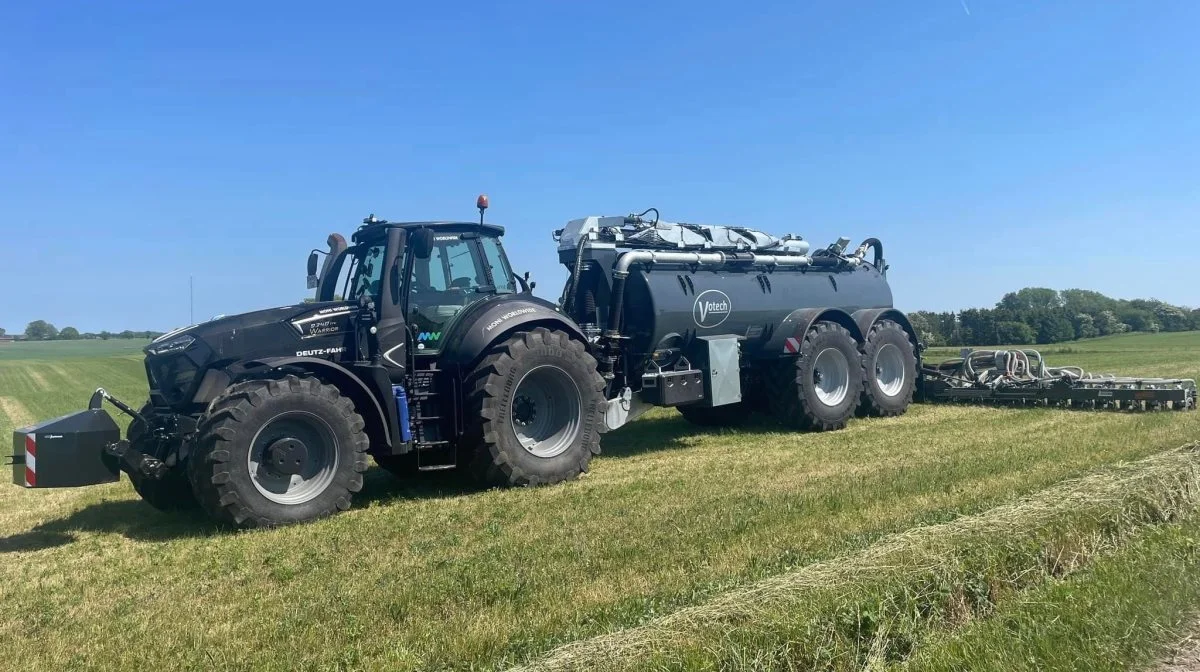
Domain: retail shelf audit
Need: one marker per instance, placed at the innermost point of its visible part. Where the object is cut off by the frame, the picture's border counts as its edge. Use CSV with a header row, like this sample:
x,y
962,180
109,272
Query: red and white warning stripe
x,y
791,346
30,460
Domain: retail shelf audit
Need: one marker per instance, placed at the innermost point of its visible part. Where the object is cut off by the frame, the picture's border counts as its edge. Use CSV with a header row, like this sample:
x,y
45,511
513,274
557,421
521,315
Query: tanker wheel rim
x,y
293,458
890,372
831,377
546,411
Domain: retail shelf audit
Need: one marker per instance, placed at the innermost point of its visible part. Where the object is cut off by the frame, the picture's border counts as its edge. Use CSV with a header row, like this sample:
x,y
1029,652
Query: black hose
x,y
573,282
876,245
637,219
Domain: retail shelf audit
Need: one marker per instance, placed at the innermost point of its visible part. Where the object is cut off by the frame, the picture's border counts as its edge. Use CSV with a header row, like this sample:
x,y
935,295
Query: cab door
x,y
391,332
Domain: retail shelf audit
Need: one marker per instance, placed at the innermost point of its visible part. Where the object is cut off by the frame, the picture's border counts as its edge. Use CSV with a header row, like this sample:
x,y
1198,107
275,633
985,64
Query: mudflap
x,y
66,452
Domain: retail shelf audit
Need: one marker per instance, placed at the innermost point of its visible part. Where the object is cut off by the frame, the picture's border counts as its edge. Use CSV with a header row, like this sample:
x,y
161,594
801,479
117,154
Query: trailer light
x,y
174,345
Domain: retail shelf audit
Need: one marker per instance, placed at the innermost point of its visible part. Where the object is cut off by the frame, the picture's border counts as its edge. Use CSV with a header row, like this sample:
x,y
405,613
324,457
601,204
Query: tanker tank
x,y
663,285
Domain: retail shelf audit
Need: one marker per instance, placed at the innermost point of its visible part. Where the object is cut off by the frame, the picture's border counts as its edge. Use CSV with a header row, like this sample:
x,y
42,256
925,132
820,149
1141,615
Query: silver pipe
x,y
706,258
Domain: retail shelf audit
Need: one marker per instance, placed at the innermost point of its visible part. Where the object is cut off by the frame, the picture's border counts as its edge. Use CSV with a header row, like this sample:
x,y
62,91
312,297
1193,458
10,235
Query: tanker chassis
x,y
424,351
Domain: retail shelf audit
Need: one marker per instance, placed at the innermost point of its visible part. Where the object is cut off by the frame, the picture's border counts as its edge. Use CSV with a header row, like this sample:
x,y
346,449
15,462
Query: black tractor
x,y
419,334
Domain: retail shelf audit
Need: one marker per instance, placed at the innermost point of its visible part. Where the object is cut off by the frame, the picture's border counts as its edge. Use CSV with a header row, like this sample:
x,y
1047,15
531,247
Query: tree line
x,y
41,330
1036,315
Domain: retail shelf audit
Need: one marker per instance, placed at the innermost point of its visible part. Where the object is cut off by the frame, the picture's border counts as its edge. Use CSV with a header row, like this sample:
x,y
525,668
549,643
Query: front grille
x,y
173,376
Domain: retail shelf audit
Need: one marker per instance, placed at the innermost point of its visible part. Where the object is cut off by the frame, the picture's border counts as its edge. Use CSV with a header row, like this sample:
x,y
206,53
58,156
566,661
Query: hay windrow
x,y
874,605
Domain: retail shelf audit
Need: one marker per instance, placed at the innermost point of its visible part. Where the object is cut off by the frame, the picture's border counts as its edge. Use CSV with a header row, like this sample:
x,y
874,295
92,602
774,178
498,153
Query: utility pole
x,y
191,301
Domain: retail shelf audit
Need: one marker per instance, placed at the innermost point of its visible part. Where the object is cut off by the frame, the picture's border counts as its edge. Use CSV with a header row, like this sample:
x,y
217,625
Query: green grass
x,y
1112,616
431,574
878,606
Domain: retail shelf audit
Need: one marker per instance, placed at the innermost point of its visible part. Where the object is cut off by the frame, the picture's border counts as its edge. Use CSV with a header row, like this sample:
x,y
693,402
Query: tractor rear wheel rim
x,y
293,457
889,370
546,411
831,376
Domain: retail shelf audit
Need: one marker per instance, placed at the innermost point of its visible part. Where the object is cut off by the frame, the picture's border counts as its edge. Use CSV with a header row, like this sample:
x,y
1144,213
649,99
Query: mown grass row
x,y
1114,615
880,605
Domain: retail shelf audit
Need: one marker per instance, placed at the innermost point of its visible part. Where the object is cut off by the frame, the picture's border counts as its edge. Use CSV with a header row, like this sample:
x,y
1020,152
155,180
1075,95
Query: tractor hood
x,y
248,333
177,362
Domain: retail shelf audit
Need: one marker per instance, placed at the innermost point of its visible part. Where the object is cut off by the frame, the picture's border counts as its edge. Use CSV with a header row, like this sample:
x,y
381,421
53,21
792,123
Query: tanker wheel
x,y
889,369
169,493
729,415
534,407
280,451
818,390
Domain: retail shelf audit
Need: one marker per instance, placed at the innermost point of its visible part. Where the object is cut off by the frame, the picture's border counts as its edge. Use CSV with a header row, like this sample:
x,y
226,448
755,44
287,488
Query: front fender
x,y
380,418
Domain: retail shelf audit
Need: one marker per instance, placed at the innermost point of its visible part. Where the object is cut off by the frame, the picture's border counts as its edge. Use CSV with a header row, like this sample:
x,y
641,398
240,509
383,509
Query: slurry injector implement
x,y
1021,377
424,351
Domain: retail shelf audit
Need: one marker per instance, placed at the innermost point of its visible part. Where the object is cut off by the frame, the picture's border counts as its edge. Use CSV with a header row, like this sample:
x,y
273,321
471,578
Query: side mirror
x,y
313,280
421,241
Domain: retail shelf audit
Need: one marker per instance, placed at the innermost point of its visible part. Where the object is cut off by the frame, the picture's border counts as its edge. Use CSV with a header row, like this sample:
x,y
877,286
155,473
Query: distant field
x,y
70,349
429,574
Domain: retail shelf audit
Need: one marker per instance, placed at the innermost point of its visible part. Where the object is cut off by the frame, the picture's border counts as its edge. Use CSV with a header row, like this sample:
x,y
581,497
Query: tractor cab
x,y
417,276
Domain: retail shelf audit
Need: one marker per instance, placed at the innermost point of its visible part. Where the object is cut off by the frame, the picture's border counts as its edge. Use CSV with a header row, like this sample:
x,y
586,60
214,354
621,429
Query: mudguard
x,y
786,339
495,319
381,420
867,317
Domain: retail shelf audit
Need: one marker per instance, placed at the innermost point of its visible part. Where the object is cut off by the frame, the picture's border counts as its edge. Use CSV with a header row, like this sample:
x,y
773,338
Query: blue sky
x,y
991,145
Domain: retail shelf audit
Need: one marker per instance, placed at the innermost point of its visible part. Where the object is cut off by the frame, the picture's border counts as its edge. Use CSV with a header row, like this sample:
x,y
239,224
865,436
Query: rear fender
x,y
380,418
497,321
787,338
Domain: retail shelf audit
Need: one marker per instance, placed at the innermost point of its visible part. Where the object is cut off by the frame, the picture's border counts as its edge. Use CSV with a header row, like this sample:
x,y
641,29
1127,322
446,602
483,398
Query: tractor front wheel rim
x,y
293,457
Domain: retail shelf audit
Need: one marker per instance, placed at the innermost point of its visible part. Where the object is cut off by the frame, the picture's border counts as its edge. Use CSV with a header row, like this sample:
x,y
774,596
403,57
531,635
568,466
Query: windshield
x,y
366,271
459,271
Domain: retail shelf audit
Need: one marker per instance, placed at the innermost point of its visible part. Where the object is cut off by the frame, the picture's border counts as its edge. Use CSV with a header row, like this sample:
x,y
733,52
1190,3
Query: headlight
x,y
177,344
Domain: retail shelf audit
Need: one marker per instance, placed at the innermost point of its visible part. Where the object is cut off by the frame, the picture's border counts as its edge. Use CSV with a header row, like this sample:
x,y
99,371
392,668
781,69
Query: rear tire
x,y
274,452
818,390
889,369
172,492
534,407
729,415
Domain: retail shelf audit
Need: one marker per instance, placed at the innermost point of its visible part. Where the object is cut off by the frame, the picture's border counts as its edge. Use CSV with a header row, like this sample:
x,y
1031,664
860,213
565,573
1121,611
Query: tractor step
x,y
436,456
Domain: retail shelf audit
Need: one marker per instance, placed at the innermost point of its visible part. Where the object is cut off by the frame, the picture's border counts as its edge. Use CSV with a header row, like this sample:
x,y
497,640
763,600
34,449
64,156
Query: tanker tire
x,y
497,457
172,492
889,353
219,468
793,394
729,415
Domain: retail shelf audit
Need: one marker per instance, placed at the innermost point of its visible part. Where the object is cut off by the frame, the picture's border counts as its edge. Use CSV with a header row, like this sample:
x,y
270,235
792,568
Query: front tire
x,y
280,451
172,492
535,406
889,365
819,390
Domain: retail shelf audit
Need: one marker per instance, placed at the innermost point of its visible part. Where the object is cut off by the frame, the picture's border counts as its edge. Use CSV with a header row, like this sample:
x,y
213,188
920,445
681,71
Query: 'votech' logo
x,y
712,308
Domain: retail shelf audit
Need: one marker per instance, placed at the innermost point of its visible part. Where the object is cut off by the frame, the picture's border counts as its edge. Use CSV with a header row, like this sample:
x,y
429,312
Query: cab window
x,y
502,277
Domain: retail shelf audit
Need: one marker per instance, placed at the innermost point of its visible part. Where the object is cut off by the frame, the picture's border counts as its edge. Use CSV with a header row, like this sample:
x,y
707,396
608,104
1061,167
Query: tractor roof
x,y
369,230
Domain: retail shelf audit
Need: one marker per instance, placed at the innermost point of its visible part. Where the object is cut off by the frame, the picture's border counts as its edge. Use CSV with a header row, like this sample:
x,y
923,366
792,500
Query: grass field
x,y
431,574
